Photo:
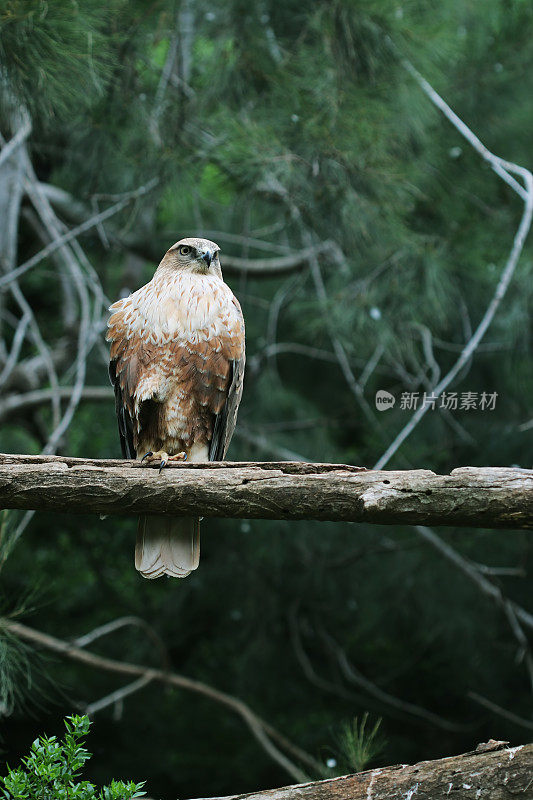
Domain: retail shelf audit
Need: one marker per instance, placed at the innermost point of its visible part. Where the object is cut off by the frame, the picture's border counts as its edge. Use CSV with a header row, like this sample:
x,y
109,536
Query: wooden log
x,y
491,497
492,772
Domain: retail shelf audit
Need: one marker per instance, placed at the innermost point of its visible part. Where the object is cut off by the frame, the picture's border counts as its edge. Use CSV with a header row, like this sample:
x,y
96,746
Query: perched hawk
x,y
177,365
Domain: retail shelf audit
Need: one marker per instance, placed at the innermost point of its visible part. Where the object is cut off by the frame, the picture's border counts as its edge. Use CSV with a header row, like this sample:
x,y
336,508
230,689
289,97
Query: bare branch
x,y
510,572
118,695
501,712
125,622
371,365
53,227
499,165
30,373
18,139
298,349
526,426
245,241
262,267
502,168
281,297
338,348
18,340
472,572
306,665
524,652
69,235
15,403
42,347
265,445
260,729
164,80
355,676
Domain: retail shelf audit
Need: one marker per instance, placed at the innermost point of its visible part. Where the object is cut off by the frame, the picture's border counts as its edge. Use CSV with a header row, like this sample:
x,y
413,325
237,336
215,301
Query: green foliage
x,y
53,767
41,43
359,747
15,672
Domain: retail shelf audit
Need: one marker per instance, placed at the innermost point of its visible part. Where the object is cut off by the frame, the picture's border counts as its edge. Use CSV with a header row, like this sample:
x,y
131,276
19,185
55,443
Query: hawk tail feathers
x,y
167,546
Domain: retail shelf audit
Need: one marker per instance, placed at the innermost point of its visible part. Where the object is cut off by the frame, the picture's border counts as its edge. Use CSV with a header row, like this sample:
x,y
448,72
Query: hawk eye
x,y
184,250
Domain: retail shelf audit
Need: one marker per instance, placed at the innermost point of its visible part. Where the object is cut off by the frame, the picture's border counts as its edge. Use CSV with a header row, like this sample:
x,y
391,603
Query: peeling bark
x,y
492,497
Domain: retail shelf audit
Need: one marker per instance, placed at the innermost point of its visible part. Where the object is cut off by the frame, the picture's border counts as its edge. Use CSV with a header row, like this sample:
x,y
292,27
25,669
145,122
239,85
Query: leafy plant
x,y
51,770
358,746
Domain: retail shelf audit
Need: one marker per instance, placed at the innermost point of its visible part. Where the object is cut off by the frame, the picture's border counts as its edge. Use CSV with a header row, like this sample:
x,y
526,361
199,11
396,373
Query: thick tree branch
x,y
492,497
492,772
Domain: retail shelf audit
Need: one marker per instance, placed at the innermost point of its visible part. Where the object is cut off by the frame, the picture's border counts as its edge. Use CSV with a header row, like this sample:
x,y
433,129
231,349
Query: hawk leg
x,y
160,455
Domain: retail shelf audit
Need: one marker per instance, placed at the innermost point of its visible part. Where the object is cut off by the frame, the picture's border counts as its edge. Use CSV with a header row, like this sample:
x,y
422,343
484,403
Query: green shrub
x,y
51,770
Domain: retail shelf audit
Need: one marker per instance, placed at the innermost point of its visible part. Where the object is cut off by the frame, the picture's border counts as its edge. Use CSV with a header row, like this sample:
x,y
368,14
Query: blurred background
x,y
365,239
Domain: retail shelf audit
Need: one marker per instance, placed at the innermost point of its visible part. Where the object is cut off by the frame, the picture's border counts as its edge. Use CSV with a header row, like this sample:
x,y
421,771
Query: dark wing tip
x,y
125,425
226,418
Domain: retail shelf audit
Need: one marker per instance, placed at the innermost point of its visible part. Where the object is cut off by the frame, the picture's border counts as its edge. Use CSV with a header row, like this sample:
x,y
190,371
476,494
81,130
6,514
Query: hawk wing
x,y
128,355
125,424
227,417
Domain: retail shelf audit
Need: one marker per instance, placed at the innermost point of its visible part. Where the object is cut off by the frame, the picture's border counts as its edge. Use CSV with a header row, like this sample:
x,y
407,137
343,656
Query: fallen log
x,y
492,772
488,497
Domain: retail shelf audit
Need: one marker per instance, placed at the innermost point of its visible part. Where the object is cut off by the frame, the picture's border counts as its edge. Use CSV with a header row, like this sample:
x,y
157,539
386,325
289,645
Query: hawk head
x,y
194,255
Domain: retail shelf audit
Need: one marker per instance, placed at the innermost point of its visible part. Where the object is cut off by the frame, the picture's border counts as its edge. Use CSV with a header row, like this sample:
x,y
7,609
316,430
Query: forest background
x,y
365,239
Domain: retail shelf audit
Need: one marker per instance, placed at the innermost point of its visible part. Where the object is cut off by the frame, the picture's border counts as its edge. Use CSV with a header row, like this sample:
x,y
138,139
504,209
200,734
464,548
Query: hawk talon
x,y
163,457
178,456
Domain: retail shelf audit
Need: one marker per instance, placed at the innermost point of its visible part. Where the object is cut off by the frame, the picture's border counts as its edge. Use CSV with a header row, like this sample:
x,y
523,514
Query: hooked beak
x,y
207,257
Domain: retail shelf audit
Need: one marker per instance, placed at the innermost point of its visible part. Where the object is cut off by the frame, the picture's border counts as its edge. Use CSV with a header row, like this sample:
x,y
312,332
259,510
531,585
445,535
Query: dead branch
x,y
274,266
493,771
69,235
21,135
116,697
495,497
126,622
15,404
354,676
291,261
474,574
263,732
505,170
265,445
33,371
501,712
